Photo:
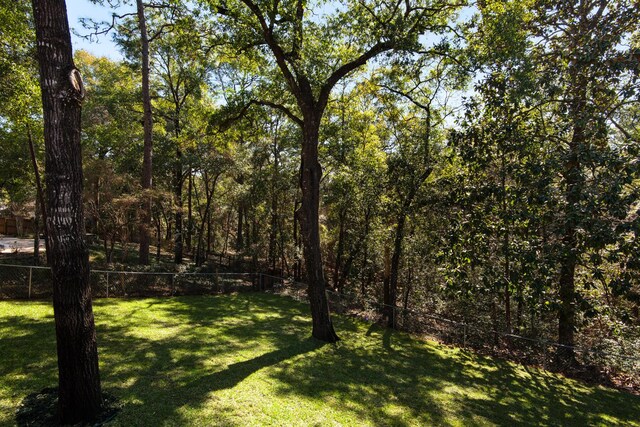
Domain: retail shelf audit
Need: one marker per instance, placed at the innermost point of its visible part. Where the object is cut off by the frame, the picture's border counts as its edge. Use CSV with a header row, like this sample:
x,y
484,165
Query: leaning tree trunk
x,y
310,230
145,220
39,201
79,394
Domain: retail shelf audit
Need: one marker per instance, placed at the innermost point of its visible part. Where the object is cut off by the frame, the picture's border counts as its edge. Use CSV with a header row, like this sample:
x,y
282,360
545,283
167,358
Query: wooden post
x,y
30,275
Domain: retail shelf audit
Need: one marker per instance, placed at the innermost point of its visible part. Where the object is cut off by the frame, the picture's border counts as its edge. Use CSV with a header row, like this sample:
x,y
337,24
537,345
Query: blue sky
x,y
77,9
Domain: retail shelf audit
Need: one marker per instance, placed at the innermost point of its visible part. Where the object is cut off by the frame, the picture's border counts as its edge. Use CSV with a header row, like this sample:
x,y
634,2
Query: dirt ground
x,y
17,245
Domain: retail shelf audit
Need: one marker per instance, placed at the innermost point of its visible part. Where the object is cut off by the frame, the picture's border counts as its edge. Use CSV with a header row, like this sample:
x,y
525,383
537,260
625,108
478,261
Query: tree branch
x,y
622,130
243,112
277,50
345,69
282,108
408,96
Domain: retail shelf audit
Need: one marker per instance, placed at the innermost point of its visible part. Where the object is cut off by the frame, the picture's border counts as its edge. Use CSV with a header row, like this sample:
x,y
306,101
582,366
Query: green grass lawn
x,y
247,359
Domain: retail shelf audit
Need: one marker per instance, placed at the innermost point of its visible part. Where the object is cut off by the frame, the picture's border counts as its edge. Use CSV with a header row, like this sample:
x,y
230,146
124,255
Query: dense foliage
x,y
478,162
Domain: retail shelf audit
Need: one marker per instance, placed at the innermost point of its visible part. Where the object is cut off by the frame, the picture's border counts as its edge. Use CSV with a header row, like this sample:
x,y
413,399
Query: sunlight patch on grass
x,y
247,360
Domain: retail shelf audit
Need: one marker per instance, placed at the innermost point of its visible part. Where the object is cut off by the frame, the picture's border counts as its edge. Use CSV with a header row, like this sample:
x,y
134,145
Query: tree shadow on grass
x,y
218,342
27,361
172,360
432,385
380,376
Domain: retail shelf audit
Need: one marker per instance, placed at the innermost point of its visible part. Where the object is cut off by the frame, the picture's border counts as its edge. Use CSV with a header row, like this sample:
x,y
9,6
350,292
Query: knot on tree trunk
x,y
77,91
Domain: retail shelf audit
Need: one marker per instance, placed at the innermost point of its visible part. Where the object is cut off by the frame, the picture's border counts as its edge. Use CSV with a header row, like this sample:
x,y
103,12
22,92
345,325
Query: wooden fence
x,y
16,226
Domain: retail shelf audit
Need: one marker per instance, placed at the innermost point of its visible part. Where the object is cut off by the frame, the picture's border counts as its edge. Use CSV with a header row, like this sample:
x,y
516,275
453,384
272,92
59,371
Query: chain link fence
x,y
607,357
31,282
608,353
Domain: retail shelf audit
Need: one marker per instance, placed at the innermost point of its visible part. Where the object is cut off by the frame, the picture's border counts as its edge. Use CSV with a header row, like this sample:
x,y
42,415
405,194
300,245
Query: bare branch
x,y
622,130
407,96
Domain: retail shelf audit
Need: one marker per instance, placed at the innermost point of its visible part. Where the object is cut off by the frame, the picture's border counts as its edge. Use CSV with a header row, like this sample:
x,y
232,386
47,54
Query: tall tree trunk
x,y
391,290
227,232
158,236
239,228
297,266
189,211
365,257
340,250
147,159
79,393
273,231
573,188
40,196
387,309
505,245
310,230
210,238
36,234
177,191
567,313
391,295
205,216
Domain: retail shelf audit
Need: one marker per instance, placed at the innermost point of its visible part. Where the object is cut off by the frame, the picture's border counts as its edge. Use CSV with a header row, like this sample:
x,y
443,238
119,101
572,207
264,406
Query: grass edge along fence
x,y
522,349
34,282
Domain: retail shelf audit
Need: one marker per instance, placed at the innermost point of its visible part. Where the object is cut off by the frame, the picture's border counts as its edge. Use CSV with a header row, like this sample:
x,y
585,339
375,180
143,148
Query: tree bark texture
x,y
80,396
310,231
567,287
391,295
147,159
573,189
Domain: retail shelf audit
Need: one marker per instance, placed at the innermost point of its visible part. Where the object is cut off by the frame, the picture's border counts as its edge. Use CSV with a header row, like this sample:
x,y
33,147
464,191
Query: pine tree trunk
x,y
145,218
79,393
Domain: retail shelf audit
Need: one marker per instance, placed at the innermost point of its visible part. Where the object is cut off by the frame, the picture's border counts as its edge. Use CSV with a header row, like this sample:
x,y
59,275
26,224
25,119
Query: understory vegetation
x,y
247,359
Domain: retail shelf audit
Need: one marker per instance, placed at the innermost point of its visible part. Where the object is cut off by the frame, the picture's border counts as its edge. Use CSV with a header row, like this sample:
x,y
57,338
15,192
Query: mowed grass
x,y
247,359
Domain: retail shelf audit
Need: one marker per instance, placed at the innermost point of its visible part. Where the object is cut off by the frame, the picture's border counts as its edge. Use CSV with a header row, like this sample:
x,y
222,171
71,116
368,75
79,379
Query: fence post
x,y
107,284
30,274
